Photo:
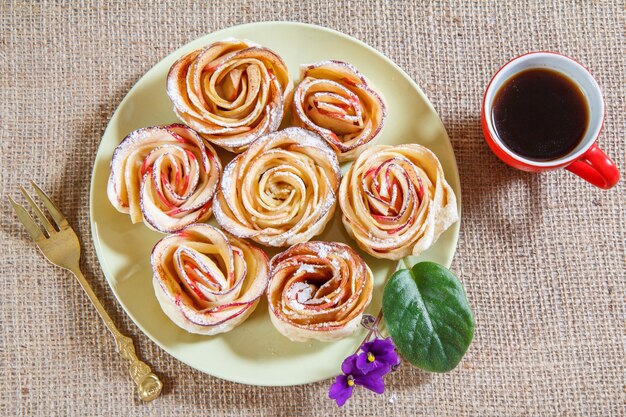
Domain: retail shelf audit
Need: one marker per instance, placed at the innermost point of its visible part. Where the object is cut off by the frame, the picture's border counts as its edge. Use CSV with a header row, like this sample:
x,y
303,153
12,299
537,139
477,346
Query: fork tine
x,y
54,211
29,223
42,217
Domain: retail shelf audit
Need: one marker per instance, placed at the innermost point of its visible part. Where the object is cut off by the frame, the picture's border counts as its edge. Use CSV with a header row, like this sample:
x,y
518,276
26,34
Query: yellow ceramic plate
x,y
255,353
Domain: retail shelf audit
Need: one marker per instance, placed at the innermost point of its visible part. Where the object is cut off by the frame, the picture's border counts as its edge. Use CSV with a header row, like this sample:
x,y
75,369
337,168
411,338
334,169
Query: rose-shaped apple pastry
x,y
166,176
231,92
318,290
206,281
395,200
335,100
281,191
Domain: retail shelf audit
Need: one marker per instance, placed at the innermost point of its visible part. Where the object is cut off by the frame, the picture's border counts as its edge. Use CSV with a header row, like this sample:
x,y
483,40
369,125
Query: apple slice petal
x,y
336,101
395,200
231,92
228,278
318,290
281,191
144,166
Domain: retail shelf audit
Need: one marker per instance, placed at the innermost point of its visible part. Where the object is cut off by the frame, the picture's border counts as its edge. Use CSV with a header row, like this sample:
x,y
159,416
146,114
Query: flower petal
x,y
388,358
372,381
366,367
379,346
340,391
349,364
362,363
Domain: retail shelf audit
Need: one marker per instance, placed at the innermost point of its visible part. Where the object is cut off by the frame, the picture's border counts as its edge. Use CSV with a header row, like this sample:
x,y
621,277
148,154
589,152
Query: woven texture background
x,y
543,257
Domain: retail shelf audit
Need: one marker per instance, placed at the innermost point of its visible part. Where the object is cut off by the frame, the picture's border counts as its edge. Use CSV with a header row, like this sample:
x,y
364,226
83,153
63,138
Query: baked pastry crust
x,y
336,101
164,176
395,200
206,281
318,290
231,92
281,191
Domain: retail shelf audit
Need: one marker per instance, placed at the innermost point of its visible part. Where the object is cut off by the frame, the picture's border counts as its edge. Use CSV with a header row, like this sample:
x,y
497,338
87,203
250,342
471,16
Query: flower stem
x,y
373,329
405,260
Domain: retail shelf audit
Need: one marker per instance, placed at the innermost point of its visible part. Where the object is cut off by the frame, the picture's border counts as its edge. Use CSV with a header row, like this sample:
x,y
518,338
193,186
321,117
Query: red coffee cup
x,y
586,160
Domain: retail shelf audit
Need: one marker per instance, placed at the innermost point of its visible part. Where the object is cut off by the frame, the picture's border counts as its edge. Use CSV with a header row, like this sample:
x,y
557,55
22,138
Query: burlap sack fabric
x,y
543,257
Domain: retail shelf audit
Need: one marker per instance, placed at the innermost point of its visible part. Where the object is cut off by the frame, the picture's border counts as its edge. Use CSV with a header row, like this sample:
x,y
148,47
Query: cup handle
x,y
595,167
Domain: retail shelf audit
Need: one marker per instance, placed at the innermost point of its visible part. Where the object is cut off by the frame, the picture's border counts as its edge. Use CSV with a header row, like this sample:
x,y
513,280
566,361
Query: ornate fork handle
x,y
60,245
148,384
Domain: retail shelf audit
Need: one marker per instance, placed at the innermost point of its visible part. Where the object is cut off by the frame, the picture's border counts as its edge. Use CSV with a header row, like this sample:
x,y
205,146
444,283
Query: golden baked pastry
x,y
206,281
281,191
318,290
335,100
395,200
231,92
166,176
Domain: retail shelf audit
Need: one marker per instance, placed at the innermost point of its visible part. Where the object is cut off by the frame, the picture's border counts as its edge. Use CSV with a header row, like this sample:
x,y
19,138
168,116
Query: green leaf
x,y
428,316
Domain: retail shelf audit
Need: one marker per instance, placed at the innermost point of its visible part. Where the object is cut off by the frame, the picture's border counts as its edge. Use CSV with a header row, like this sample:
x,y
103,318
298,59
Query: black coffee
x,y
540,114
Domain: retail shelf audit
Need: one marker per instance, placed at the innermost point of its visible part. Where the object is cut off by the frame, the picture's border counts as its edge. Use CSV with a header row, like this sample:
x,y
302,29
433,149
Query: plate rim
x,y
94,234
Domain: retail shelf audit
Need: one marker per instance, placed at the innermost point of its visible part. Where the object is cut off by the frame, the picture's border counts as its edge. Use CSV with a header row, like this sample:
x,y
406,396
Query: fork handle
x,y
148,384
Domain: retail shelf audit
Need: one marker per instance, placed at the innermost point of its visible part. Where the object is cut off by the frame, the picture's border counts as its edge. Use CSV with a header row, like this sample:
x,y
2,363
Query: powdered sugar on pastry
x,y
205,281
281,191
335,100
318,290
231,92
164,176
395,200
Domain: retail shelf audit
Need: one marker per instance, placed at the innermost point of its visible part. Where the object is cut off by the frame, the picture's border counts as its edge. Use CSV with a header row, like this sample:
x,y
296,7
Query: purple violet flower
x,y
377,354
368,365
343,386
341,389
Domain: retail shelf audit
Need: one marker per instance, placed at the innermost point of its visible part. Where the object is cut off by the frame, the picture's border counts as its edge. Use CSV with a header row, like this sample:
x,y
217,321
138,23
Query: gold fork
x,y
59,244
